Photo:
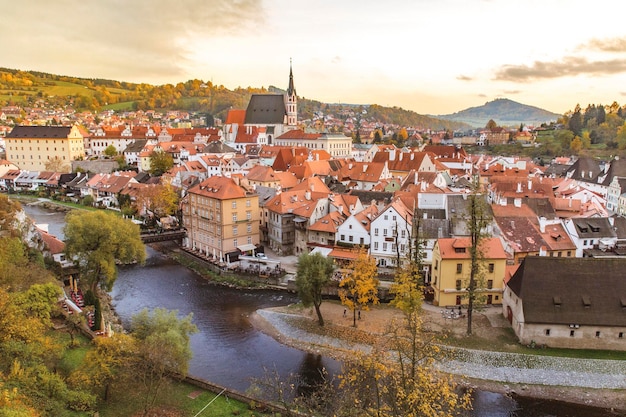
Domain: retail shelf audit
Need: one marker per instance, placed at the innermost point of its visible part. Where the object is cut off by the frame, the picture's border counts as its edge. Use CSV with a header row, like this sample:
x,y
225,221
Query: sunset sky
x,y
430,56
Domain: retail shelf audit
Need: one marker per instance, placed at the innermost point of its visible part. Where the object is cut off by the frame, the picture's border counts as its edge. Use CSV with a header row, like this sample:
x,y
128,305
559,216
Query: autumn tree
x,y
478,218
359,287
491,125
97,240
160,163
55,164
163,349
313,275
398,377
158,200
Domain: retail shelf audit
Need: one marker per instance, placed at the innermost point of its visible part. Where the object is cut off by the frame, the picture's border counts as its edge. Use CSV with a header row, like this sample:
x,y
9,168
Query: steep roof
x,y
328,223
40,132
221,188
573,292
458,248
235,116
593,227
266,109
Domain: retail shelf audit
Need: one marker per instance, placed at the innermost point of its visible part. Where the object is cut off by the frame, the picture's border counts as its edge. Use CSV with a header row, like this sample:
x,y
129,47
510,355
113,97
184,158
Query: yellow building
x,y
32,147
221,217
451,271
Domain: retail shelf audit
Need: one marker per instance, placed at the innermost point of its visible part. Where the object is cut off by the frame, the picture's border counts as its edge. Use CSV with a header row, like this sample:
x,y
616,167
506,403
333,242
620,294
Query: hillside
x,y
504,112
26,88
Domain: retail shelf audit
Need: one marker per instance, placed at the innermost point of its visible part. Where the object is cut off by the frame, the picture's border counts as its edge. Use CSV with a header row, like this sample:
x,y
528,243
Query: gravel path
x,y
492,366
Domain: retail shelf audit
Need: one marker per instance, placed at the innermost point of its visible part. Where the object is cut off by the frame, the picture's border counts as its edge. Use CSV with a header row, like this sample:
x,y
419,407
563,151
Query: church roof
x,y
266,109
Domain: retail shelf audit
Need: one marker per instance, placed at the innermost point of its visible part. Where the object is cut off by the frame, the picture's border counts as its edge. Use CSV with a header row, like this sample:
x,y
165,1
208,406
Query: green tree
x,y
110,151
359,287
96,240
313,275
160,162
163,351
491,125
621,137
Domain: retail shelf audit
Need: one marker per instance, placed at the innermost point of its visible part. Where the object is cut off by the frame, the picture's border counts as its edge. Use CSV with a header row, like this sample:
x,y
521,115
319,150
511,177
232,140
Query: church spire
x,y
291,91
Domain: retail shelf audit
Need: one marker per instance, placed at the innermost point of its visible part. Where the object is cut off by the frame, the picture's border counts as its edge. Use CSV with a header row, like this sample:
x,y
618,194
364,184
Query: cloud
x,y
464,78
511,92
567,67
336,59
140,37
617,45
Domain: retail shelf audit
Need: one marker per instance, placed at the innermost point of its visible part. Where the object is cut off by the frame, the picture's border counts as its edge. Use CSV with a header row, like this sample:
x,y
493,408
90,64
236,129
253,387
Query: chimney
x,y
542,224
364,167
519,187
307,195
530,184
569,204
612,221
412,155
400,157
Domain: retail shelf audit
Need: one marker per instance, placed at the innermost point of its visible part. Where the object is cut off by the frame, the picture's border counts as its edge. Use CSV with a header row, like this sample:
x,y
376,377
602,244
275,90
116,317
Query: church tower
x,y
291,102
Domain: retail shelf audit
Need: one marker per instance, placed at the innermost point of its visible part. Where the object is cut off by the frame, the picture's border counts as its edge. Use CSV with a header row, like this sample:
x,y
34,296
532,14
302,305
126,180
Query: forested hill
x,y
28,87
504,112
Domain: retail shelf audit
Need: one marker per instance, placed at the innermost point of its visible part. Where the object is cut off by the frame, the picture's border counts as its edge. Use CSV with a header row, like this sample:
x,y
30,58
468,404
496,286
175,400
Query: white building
x,y
337,145
390,233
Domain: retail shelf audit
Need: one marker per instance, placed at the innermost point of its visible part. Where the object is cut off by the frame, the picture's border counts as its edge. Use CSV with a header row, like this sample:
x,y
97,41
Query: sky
x,y
430,56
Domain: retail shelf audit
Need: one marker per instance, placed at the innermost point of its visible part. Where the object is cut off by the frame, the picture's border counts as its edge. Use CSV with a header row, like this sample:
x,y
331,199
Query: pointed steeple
x,y
291,91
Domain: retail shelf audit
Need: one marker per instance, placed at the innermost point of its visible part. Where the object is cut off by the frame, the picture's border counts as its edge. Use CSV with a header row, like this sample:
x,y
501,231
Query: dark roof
x,y
619,225
558,170
366,197
266,109
218,147
541,206
585,169
136,146
593,227
39,132
434,228
617,168
559,296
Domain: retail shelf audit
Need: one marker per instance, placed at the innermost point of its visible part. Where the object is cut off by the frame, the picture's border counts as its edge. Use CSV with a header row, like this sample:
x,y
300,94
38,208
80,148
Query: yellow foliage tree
x,y
359,287
398,377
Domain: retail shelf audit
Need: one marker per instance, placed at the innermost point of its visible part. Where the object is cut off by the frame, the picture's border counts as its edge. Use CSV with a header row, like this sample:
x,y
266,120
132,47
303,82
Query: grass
x,y
175,400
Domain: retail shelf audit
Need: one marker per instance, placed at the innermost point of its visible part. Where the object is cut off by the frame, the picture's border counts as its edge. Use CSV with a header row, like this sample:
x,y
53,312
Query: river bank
x,y
286,325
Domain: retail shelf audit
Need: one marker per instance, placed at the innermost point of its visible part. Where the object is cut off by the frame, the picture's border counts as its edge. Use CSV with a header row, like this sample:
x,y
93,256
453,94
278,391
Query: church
x,y
266,117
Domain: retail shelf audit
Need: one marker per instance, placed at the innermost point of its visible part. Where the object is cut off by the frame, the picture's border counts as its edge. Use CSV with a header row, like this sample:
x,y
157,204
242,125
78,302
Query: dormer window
x,y
586,301
557,301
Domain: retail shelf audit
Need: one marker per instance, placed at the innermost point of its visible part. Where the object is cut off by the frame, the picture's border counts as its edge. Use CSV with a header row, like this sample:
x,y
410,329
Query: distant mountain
x,y
504,112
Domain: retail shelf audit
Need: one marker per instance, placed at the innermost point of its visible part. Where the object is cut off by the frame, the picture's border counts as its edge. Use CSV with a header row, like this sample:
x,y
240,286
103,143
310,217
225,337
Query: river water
x,y
229,351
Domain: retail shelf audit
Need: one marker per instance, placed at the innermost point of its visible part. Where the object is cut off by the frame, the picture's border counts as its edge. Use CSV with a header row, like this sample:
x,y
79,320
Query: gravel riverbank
x,y
599,383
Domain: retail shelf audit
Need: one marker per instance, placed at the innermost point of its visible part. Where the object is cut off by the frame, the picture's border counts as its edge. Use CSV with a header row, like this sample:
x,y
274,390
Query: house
x,y
452,266
32,147
390,234
323,231
337,145
572,307
587,233
355,230
221,217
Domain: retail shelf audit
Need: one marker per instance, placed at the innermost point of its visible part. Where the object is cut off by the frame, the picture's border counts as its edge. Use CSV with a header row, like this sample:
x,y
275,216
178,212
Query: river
x,y
229,351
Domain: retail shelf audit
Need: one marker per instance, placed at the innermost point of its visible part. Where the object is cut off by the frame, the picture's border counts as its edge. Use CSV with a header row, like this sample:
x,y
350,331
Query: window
x,y
384,232
436,264
248,215
375,245
234,217
249,228
597,334
249,240
585,242
361,241
234,204
490,284
569,253
458,284
491,268
350,238
393,247
350,226
235,242
386,217
459,268
403,233
376,232
620,335
247,203
235,231
572,333
384,245
547,332
394,218
343,237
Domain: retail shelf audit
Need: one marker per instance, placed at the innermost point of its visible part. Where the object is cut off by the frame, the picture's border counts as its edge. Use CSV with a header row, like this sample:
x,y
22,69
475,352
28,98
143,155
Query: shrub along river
x,y
229,351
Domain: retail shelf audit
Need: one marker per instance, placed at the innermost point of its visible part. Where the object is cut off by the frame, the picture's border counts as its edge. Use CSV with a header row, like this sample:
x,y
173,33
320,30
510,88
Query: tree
x,y
359,287
55,164
477,221
110,151
575,123
313,274
491,125
158,199
96,240
398,377
163,350
576,145
160,162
